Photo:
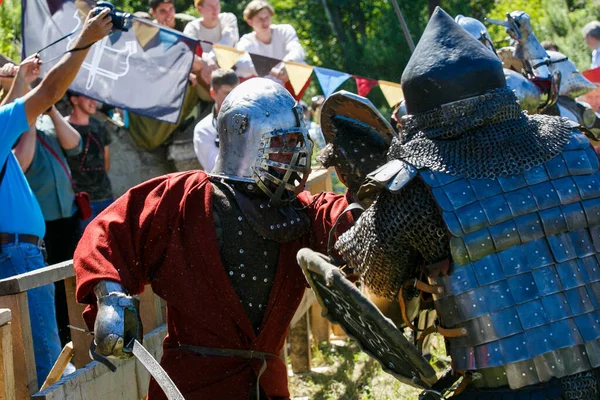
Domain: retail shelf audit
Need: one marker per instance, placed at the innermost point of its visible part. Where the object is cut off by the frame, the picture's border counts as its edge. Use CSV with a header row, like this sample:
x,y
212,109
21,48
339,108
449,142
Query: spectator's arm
x,y
57,80
230,34
25,149
67,136
244,68
293,48
106,158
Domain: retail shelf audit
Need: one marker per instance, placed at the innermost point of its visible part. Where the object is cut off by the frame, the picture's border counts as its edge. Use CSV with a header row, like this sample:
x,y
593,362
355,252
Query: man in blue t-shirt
x,y
21,219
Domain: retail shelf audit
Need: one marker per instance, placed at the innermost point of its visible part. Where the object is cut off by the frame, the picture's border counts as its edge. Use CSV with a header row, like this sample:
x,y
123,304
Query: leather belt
x,y
248,354
7,238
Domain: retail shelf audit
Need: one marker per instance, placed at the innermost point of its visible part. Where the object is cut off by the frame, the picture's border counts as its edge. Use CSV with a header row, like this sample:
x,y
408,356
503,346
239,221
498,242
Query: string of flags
x,y
299,74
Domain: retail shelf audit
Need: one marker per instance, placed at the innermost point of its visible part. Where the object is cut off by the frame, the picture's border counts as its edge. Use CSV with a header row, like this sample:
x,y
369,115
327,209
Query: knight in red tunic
x,y
219,248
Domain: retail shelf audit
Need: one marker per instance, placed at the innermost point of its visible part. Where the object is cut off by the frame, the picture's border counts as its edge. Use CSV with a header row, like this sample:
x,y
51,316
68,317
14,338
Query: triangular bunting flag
x,y
263,65
226,56
298,74
144,32
392,92
167,38
364,85
330,79
593,75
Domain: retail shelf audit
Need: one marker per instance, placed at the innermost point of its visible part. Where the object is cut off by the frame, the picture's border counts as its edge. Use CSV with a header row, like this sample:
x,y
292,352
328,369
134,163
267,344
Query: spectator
x,y
214,27
548,45
163,12
275,41
21,220
91,166
591,32
206,138
50,180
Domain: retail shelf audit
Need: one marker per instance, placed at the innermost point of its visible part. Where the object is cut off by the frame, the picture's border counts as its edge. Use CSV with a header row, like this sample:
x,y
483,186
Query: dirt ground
x,y
341,371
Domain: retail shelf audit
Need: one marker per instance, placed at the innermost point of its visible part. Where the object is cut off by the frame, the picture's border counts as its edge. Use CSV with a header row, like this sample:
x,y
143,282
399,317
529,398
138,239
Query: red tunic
x,y
162,233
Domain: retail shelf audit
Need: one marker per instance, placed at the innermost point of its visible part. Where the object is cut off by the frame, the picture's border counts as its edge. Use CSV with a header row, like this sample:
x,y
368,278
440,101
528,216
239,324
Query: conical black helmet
x,y
448,65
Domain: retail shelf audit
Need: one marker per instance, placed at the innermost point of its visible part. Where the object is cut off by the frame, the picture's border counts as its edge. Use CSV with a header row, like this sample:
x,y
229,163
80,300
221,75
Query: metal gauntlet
x,y
118,320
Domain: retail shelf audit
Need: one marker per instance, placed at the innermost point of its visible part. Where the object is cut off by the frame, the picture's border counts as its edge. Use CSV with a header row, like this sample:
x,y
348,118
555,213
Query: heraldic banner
x,y
144,70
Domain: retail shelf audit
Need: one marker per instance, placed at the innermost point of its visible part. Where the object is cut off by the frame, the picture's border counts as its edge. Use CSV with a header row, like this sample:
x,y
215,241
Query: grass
x,y
341,371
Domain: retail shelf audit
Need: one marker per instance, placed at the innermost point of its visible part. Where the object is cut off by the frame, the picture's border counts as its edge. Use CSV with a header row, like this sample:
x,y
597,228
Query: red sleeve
x,y
127,241
324,208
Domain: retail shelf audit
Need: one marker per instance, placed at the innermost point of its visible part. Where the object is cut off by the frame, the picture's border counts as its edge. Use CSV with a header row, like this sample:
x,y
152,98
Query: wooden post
x,y
150,310
7,376
59,366
23,358
81,340
300,346
320,327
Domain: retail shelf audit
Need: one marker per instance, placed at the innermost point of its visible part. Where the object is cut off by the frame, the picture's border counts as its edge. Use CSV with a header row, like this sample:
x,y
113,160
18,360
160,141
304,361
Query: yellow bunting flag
x,y
227,56
392,92
298,74
144,32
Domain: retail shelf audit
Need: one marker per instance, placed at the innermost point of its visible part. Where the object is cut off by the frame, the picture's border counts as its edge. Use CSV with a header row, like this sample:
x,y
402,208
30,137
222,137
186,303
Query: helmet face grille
x,y
283,163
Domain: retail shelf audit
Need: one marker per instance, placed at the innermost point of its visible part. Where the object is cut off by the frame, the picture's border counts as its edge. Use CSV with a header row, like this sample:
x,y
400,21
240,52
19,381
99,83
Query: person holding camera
x,y
21,220
90,167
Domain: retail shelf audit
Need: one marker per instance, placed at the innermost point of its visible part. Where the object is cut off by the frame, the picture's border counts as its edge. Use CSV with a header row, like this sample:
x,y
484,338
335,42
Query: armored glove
x,y
118,321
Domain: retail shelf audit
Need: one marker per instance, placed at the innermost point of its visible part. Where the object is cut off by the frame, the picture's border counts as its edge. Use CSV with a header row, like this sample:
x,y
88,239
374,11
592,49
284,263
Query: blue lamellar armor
x,y
525,280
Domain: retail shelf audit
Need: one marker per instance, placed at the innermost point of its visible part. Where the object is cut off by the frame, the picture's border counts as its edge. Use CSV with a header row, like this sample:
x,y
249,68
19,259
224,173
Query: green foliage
x,y
10,29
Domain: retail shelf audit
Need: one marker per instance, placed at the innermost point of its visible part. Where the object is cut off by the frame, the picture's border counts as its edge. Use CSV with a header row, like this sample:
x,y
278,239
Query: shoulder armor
x,y
392,176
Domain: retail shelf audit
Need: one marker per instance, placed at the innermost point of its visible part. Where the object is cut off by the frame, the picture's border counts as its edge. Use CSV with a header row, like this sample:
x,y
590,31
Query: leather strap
x,y
6,238
421,286
445,332
51,150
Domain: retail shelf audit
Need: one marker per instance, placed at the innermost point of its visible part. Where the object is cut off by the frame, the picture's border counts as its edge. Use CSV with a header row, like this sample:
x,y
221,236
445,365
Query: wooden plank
x,y
320,326
319,181
81,340
300,346
95,381
149,310
5,316
7,374
59,366
23,358
39,277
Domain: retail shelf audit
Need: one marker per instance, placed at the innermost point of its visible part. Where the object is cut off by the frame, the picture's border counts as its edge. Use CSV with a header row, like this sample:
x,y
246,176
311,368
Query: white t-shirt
x,y
595,58
284,46
225,33
205,146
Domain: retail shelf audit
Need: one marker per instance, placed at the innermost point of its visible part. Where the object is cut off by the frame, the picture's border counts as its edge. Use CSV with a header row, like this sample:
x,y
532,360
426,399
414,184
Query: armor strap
x,y
422,287
445,332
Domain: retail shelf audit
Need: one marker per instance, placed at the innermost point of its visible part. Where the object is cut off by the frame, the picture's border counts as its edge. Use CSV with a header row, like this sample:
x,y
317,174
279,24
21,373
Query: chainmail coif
x,y
487,136
394,237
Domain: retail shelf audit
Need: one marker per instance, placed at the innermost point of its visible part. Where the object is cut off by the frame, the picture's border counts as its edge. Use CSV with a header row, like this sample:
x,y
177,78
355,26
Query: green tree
x,y
10,29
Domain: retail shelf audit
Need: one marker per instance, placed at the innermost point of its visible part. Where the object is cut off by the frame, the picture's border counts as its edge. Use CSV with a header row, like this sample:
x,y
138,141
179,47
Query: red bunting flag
x,y
364,85
593,75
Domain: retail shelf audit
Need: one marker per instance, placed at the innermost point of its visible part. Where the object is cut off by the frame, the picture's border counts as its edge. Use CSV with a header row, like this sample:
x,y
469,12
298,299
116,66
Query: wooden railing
x,y
93,380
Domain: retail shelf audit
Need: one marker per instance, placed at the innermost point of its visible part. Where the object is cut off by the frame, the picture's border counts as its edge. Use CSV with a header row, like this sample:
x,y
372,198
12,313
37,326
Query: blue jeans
x,y
97,208
18,258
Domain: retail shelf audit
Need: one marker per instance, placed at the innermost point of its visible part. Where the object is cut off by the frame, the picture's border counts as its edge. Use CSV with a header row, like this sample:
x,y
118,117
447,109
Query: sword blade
x,y
158,373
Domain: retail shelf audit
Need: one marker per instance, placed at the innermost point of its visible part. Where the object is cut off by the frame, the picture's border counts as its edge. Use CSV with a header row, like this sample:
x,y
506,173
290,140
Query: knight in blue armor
x,y
500,211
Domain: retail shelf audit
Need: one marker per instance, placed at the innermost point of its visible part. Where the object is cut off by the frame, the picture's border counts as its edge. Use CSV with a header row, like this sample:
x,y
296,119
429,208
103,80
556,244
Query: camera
x,y
120,20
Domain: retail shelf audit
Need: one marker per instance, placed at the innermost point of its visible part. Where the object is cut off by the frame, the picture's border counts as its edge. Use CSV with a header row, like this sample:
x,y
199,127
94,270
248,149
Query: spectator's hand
x,y
95,28
193,79
29,69
8,70
206,72
280,74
